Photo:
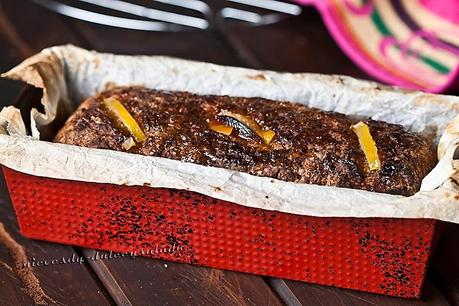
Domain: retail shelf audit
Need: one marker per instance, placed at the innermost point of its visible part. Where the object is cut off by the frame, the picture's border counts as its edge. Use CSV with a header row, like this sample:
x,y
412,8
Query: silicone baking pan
x,y
386,256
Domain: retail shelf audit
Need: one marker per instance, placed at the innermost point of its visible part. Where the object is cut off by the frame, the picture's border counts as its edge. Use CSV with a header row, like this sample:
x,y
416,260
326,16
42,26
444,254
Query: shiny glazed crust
x,y
310,146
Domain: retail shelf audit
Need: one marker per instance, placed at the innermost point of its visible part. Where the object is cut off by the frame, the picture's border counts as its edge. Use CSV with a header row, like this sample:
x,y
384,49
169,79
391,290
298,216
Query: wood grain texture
x,y
299,44
296,44
154,282
36,28
25,29
308,294
177,284
194,45
107,278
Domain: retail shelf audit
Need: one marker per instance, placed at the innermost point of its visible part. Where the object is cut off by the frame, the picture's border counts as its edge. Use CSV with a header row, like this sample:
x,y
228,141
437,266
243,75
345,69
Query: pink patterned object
x,y
409,43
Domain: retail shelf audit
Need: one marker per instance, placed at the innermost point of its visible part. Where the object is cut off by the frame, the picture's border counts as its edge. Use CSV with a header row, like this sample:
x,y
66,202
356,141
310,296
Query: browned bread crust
x,y
310,146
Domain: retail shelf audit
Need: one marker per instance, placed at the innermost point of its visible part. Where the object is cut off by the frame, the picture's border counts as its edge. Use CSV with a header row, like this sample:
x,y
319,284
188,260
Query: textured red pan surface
x,y
387,256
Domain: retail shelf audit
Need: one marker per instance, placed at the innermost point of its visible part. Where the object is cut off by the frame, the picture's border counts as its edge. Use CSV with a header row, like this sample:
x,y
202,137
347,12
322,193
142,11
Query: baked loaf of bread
x,y
282,140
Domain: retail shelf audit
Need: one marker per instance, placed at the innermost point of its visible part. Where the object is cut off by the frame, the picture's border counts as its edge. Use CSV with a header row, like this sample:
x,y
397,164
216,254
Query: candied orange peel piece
x,y
367,144
267,135
121,115
221,128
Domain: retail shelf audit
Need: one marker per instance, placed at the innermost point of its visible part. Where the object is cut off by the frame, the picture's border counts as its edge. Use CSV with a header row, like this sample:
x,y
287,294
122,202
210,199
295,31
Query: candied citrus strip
x,y
120,113
221,128
266,136
367,144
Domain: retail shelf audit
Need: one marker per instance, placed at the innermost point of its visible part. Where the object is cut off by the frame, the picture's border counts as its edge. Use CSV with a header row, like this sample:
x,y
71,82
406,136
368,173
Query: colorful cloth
x,y
410,43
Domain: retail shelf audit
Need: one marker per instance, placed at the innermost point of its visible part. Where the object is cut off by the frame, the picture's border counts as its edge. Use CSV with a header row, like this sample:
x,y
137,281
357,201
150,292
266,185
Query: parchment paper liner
x,y
69,74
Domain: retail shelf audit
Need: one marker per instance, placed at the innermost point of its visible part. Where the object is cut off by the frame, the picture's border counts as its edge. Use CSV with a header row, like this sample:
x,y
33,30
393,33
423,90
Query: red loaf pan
x,y
386,256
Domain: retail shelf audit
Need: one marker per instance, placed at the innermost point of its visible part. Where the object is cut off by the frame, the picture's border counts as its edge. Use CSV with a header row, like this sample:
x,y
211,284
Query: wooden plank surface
x,y
296,44
299,44
297,293
195,45
143,281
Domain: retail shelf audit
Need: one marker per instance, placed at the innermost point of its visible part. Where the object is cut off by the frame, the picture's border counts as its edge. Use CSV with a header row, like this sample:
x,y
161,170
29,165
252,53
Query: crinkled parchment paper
x,y
68,75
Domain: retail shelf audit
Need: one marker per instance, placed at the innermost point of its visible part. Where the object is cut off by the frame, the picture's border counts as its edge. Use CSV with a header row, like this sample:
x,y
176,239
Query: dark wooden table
x,y
296,44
